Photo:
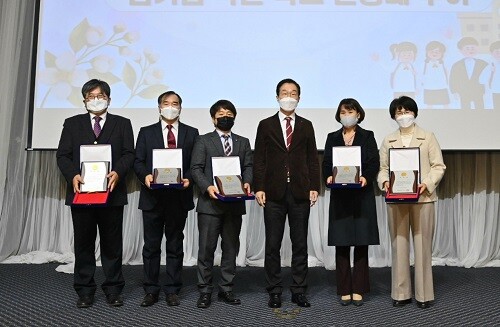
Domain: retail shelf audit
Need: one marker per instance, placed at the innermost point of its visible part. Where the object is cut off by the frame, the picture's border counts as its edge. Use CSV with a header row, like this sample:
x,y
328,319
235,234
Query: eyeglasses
x,y
91,97
400,112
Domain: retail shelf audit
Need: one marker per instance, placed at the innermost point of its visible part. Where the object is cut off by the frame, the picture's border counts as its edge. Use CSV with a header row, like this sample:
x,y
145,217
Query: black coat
x,y
353,213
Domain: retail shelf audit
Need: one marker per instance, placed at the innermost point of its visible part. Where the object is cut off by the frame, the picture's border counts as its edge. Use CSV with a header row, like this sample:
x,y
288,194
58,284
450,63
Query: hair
x,y
169,93
285,81
94,84
403,46
468,40
403,102
495,46
435,44
350,103
222,104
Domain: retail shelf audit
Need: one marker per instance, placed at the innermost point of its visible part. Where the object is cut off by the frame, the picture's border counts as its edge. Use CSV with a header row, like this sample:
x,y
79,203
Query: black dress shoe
x,y
85,301
274,300
301,300
149,300
423,305
114,300
345,302
228,297
173,300
400,303
204,301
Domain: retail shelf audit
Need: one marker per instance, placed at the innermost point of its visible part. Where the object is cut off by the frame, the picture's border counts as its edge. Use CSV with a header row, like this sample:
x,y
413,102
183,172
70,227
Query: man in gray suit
x,y
216,217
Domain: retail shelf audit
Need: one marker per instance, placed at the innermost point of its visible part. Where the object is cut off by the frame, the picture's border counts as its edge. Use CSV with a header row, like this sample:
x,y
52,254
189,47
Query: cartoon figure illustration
x,y
403,78
435,76
465,73
493,81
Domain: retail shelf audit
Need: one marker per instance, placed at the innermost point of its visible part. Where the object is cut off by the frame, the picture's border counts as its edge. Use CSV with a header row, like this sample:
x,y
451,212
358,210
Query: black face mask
x,y
225,123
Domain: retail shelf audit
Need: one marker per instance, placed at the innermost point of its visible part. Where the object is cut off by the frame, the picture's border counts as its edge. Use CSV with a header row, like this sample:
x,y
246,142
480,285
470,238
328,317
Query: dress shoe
x,y
204,301
149,300
345,301
358,301
173,300
400,303
423,305
85,301
274,300
228,297
301,300
114,300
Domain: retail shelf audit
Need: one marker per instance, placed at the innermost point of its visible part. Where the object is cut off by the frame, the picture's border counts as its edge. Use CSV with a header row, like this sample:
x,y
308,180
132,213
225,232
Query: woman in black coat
x,y
353,214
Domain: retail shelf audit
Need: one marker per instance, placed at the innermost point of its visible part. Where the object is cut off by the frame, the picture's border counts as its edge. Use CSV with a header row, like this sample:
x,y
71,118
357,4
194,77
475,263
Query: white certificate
x,y
404,181
99,152
347,156
225,166
94,176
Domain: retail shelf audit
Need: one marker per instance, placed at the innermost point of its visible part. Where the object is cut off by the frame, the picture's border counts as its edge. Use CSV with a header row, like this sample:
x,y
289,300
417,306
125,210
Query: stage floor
x,y
37,295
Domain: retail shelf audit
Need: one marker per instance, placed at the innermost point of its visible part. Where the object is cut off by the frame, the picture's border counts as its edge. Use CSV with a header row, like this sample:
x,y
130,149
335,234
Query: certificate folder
x,y
91,199
167,169
346,167
227,175
404,175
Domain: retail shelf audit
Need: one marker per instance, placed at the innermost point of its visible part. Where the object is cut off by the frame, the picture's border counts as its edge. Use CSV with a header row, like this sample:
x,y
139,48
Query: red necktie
x,y
170,138
289,132
97,126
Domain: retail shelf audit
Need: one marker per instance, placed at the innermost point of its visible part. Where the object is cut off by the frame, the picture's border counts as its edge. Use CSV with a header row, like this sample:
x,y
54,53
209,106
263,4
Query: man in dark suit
x,y
164,211
286,182
216,217
97,127
465,75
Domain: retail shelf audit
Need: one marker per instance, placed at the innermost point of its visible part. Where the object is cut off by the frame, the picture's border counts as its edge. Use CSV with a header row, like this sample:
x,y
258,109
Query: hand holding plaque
x,y
230,185
167,176
94,176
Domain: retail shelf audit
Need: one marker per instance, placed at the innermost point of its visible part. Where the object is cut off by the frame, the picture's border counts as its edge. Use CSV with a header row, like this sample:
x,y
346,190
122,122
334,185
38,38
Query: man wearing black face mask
x,y
214,216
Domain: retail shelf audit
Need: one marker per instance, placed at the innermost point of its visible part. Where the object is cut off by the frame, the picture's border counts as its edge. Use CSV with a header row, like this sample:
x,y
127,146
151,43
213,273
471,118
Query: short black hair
x,y
222,104
169,93
93,84
350,103
403,102
285,81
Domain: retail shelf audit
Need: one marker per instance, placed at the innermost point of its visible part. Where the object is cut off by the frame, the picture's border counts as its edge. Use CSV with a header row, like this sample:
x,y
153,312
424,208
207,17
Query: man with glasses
x,y
286,182
97,126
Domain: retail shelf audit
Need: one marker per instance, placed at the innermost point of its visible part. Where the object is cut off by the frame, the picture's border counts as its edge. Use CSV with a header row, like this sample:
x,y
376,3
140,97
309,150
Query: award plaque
x,y
345,175
167,176
230,185
403,181
94,176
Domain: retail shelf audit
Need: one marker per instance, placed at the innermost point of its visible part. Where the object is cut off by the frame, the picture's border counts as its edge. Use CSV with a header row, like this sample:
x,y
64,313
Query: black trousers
x,y
356,281
228,226
85,223
166,218
275,213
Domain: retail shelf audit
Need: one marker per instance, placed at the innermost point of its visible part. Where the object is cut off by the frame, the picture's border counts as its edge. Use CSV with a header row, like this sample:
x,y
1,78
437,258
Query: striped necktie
x,y
227,145
97,126
289,132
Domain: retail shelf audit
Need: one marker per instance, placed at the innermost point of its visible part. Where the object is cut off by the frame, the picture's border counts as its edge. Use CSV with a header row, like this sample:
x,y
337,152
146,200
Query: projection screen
x,y
444,53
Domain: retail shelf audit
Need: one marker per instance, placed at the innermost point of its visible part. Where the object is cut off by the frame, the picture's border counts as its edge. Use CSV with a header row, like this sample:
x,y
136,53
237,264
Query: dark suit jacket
x,y
206,147
460,81
272,160
116,131
151,137
353,213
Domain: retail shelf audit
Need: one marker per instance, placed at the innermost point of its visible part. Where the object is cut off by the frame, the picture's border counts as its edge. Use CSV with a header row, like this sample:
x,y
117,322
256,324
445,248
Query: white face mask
x,y
170,113
288,104
349,121
405,120
96,105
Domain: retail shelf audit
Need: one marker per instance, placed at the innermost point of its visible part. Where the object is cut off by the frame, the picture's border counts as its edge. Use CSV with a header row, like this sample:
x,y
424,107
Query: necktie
x,y
170,138
289,132
97,126
227,146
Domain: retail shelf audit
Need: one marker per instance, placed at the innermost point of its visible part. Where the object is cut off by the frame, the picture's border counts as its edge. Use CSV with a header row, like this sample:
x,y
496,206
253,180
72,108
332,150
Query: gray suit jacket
x,y
206,147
